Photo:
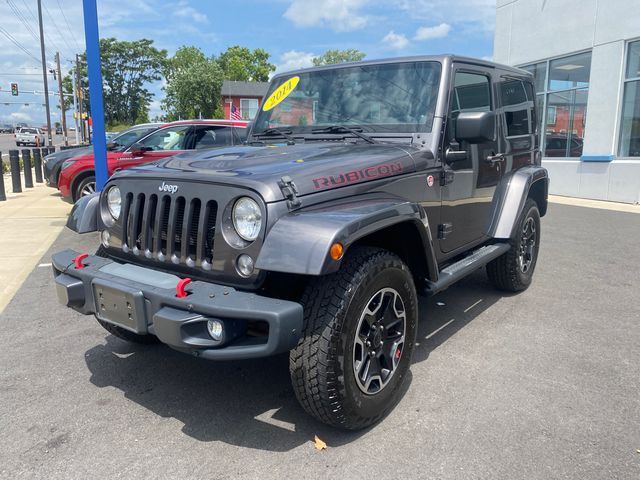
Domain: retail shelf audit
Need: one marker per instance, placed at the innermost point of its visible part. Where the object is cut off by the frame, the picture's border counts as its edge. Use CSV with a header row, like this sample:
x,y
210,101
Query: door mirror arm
x,y
452,156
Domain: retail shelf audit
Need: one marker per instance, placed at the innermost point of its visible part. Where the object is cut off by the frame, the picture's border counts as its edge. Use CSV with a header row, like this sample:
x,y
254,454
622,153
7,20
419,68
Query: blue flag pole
x,y
92,39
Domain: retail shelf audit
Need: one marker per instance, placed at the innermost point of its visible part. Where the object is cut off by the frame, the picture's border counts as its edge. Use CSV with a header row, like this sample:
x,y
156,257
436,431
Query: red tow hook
x,y
180,291
78,261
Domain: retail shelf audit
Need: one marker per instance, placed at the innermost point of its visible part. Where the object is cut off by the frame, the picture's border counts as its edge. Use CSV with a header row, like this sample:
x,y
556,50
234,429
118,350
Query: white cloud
x,y
478,14
428,33
20,117
185,11
292,60
339,15
395,40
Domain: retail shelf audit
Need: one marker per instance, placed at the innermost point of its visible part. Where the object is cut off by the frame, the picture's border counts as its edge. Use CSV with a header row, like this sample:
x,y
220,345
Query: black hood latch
x,y
290,192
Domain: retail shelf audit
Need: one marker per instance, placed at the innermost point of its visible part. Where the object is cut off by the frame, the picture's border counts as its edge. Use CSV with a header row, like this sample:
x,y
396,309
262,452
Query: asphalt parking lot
x,y
541,385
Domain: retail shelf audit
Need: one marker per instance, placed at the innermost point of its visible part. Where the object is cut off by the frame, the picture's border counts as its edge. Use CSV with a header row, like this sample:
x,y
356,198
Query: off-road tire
x,y
77,193
505,272
123,334
321,365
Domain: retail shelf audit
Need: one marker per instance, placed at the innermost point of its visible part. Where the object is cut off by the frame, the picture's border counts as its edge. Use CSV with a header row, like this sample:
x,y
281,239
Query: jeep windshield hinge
x,y
290,192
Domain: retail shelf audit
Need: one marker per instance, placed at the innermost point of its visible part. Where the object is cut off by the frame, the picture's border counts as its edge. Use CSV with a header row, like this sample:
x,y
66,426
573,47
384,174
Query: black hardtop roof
x,y
417,58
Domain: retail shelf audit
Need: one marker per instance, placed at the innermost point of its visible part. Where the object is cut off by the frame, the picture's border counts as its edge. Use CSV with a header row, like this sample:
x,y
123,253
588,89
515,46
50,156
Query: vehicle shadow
x,y
251,403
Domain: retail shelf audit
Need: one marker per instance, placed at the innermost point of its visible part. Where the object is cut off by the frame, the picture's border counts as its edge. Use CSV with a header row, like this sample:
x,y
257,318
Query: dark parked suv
x,y
362,186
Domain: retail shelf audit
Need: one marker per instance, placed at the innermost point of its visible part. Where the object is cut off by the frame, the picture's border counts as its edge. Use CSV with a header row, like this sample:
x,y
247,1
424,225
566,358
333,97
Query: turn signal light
x,y
337,250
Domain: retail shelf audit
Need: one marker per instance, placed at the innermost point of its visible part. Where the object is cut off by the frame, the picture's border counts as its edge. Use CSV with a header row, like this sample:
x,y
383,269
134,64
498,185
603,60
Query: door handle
x,y
495,158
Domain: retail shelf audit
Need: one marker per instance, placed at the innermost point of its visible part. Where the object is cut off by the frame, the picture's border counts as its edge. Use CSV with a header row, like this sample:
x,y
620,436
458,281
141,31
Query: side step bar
x,y
464,267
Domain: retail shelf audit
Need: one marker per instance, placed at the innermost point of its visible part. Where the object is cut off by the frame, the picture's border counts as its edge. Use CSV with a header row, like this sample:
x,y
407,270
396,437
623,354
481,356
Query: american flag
x,y
235,113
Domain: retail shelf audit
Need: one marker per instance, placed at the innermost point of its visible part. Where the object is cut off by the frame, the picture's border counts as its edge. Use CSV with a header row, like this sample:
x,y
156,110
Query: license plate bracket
x,y
120,305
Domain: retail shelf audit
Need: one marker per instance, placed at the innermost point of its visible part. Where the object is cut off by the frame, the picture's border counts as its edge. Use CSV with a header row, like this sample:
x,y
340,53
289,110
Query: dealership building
x,y
585,57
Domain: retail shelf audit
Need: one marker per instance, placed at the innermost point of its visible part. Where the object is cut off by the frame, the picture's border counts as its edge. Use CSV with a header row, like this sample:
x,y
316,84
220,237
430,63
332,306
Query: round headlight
x,y
247,218
114,202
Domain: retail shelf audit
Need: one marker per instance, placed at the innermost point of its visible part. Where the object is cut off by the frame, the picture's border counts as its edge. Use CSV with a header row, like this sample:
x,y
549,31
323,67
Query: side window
x,y
472,93
212,136
171,138
518,107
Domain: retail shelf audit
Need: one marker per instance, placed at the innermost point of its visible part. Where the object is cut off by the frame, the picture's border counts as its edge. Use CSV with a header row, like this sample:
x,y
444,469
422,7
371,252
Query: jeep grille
x,y
166,228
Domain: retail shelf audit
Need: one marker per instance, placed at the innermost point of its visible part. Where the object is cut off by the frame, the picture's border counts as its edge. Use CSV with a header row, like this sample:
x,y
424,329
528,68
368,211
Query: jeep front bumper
x,y
144,301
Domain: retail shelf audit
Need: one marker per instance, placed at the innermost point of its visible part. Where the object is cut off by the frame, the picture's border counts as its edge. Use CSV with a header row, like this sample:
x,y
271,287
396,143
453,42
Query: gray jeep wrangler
x,y
361,186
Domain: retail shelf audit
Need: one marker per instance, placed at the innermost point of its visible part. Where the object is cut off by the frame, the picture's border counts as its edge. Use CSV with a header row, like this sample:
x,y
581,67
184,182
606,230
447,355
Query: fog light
x,y
244,265
105,236
215,329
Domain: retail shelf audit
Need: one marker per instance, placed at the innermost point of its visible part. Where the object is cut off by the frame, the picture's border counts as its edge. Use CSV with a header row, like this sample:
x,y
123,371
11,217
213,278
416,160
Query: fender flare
x,y
299,242
84,214
510,197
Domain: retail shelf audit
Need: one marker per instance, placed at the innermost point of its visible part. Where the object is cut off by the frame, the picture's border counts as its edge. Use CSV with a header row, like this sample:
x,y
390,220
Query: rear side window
x,y
518,107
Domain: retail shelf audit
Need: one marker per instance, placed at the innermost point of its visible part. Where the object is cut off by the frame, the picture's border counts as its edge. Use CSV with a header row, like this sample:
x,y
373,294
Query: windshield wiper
x,y
342,129
272,132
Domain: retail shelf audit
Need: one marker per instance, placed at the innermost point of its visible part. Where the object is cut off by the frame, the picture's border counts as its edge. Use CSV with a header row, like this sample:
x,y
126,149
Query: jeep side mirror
x,y
137,149
476,127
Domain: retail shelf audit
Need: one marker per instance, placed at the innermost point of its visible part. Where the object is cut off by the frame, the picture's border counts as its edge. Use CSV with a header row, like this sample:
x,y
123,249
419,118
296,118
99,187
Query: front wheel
x,y
86,187
513,271
360,328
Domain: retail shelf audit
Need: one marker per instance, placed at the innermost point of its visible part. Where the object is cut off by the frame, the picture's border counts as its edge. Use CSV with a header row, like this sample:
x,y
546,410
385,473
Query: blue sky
x,y
292,31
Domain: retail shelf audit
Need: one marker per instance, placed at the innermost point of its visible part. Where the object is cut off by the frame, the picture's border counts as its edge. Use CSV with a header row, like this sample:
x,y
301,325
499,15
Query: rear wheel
x,y
513,271
87,186
359,334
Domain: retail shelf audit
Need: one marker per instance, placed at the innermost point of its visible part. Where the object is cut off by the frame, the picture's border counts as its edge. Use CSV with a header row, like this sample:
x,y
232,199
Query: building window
x,y
248,108
630,123
562,88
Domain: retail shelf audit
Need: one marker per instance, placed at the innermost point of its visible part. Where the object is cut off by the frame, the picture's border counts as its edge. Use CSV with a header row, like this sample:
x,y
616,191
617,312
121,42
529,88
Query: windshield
x,y
387,98
129,137
28,130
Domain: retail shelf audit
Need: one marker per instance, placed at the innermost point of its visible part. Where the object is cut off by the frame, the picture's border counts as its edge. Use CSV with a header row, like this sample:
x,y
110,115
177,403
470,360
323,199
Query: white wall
x,y
528,31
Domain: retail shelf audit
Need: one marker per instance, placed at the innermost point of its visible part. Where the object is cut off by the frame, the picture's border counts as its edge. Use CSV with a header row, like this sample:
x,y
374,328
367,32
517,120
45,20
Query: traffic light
x,y
14,89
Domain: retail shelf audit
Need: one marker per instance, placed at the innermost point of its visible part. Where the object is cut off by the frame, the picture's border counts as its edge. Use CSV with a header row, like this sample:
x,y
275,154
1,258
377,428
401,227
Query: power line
x,y
18,44
35,19
58,29
68,26
18,14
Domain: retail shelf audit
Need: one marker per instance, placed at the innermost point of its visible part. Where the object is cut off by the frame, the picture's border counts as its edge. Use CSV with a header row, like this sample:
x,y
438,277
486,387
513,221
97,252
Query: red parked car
x,y
77,177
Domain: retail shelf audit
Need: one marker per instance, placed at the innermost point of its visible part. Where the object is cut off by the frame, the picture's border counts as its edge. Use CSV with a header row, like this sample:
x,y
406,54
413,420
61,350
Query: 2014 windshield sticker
x,y
281,93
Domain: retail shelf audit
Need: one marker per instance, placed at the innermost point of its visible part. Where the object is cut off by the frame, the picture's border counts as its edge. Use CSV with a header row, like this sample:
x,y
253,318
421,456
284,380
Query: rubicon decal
x,y
356,176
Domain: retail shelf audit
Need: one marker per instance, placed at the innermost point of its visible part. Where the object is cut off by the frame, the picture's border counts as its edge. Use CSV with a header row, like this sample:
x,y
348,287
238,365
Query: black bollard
x,y
3,195
26,163
14,159
37,164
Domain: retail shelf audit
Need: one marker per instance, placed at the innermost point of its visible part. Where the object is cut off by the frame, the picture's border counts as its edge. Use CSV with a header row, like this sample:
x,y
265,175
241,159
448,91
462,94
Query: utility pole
x,y
44,74
75,104
80,97
64,114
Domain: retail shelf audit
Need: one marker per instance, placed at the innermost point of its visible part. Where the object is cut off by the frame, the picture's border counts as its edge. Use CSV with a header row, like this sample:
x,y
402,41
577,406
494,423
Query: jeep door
x,y
469,181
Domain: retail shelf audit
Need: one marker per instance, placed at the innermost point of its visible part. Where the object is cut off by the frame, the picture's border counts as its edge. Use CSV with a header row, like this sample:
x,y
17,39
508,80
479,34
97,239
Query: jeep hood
x,y
313,167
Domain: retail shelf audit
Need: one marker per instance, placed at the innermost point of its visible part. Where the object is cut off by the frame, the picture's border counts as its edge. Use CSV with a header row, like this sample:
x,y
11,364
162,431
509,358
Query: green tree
x,y
193,86
127,68
240,63
339,56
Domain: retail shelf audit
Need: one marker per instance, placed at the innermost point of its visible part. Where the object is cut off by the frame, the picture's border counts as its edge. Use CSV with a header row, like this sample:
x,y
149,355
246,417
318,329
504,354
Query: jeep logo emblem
x,y
168,188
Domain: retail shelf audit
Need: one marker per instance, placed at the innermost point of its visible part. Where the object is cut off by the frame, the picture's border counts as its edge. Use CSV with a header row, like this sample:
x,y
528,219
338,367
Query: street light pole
x,y
62,110
44,74
75,103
